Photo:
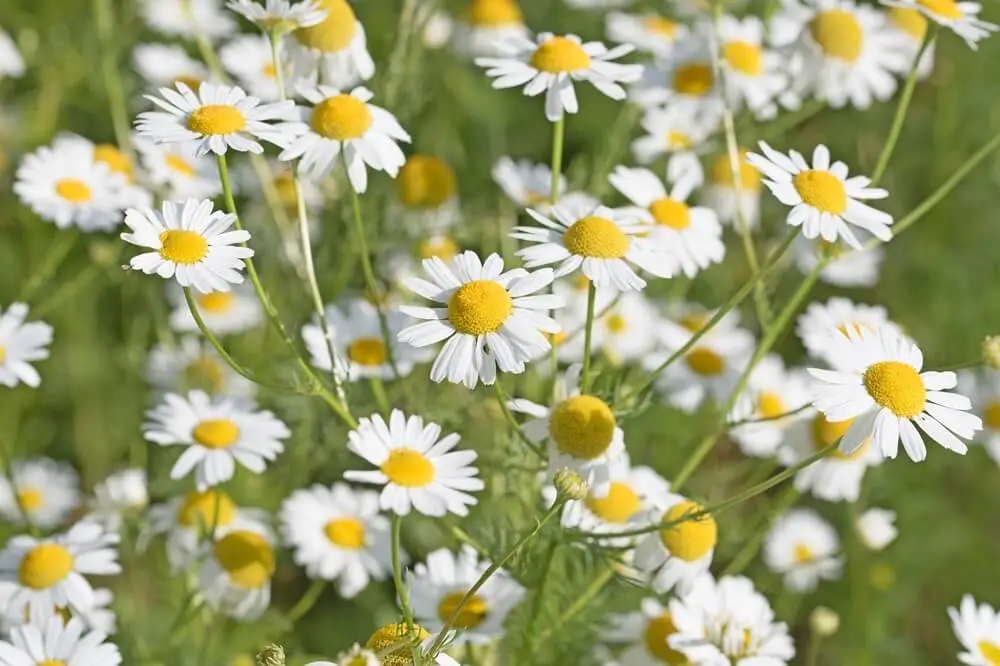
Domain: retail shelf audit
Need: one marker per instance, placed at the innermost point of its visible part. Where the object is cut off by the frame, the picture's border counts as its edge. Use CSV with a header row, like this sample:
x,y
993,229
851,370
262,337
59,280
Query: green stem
x,y
747,553
68,289
558,137
54,256
307,601
765,419
529,639
587,335
858,580
397,573
813,654
581,602
381,399
791,120
502,401
104,15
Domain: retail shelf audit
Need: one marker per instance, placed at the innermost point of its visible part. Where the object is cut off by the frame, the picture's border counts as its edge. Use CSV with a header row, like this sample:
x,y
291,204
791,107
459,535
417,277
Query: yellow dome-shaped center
x,y
803,554
582,427
347,533
247,557
394,645
770,405
616,323
341,118
821,190
678,140
494,13
620,504
479,307
206,508
442,247
658,631
990,652
183,247
45,565
334,33
722,173
838,33
705,362
560,55
73,190
661,26
180,165
692,539
671,213
204,373
216,302
896,386
105,153
29,498
825,433
425,182
693,79
408,468
744,57
472,614
216,433
369,352
946,9
910,21
216,119
596,237
991,415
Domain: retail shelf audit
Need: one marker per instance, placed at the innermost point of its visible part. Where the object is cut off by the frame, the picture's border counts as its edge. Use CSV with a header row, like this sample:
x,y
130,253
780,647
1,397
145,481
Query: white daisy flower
x,y
686,81
21,344
960,17
977,627
44,491
57,642
280,14
415,468
726,622
427,195
437,587
194,364
599,4
527,184
599,241
647,32
803,548
236,576
11,62
847,268
176,172
248,58
985,392
486,25
100,616
552,64
190,242
722,195
334,52
755,75
438,25
911,25
771,391
489,317
165,65
49,573
837,477
188,18
355,656
877,528
690,235
400,264
676,556
626,331
676,134
645,634
110,156
572,320
820,321
337,534
878,383
823,199
367,134
218,433
123,492
224,312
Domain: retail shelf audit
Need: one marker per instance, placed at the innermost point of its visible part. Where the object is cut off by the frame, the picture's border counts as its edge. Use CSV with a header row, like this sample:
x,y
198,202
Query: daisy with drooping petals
x,y
821,320
177,170
553,63
977,627
44,492
427,192
755,75
676,556
58,642
685,81
488,317
215,119
280,14
122,492
803,548
823,199
163,65
437,587
236,576
188,18
846,267
21,344
912,26
602,243
677,134
416,468
690,235
985,392
338,534
646,634
338,121
190,242
960,17
527,184
11,62
878,383
649,32
771,397
486,25
248,58
218,433
49,573
334,52
876,528
224,312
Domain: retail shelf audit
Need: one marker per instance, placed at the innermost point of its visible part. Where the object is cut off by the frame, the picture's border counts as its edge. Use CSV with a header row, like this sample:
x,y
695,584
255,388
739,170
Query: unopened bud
x,y
570,485
272,655
824,621
991,351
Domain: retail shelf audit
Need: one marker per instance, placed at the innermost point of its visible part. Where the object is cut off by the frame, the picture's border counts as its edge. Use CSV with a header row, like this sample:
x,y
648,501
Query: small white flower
x,y
847,268
100,616
960,17
803,548
11,62
416,468
878,383
176,172
236,576
648,32
527,184
224,312
685,81
646,634
821,321
599,4
122,492
977,627
163,65
625,331
248,58
57,642
426,196
218,433
771,392
553,63
755,75
20,345
486,26
985,392
194,364
44,491
188,18
676,556
912,26
877,528
726,199
334,52
280,14
676,133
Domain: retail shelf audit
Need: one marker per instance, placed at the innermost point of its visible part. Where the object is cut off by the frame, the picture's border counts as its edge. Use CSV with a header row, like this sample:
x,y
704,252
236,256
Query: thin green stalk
x,y
104,17
68,289
54,255
558,137
398,58
858,579
397,573
381,399
529,639
581,602
587,335
597,317
502,401
307,601
813,654
618,137
749,550
765,419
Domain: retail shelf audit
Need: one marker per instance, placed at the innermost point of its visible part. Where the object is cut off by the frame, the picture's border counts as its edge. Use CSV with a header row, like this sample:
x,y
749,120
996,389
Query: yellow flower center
x,y
620,504
560,55
53,662
694,321
478,307
216,119
180,165
694,79
394,644
670,213
73,190
334,33
660,26
770,405
910,21
494,13
284,185
947,9
825,433
821,190
206,508
409,468
3,353
803,554
722,173
30,499
442,247
705,362
45,565
216,433
831,250
596,237
991,415
242,660
204,373
678,140
348,533
105,153
744,57
990,652
190,80
341,118
838,33
616,323
896,386
582,426
269,71
216,302
659,629
692,539
183,247
472,614
425,182
247,557
369,352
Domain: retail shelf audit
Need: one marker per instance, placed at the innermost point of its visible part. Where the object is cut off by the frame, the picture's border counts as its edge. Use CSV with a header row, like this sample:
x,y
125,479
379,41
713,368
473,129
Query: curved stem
x,y
580,603
54,256
558,137
502,401
381,399
104,15
587,335
307,601
397,573
749,550
765,419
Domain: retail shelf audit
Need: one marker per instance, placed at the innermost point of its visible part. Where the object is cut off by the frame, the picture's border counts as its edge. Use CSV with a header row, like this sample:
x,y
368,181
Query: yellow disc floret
x,y
247,557
442,247
334,33
990,651
582,426
803,554
216,302
744,57
658,631
838,33
204,373
826,433
910,21
216,119
705,362
216,433
946,9
693,79
29,498
560,55
73,190
616,323
370,352
472,614
897,387
408,468
206,508
493,13
991,415
722,173
770,405
692,539
394,644
180,165
341,118
425,182
671,213
596,237
347,533
116,160
45,565
821,190
479,307
183,247
660,26
620,504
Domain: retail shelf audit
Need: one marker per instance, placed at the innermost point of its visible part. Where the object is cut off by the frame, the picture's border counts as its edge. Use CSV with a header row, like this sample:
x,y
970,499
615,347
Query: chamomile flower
x,y
333,52
676,556
726,622
368,135
846,267
676,134
280,14
427,194
11,62
44,491
123,492
646,634
338,534
648,32
188,18
56,641
49,573
164,65
437,588
690,235
599,4
100,615
553,63
190,242
755,75
21,343
416,468
194,364
215,119
836,477
877,528
911,24
878,383
685,81
823,199
526,184
772,393
486,25
127,193
488,317
960,17
604,244
731,199
224,312
977,627
176,172
625,331
820,321
572,320
248,58
236,576
985,392
218,433
802,547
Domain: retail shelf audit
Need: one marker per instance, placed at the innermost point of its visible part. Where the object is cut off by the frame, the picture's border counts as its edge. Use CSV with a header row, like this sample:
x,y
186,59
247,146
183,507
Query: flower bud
x,y
569,485
272,655
824,621
991,351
